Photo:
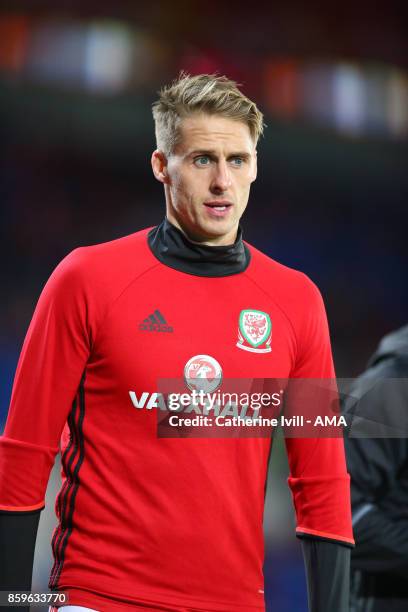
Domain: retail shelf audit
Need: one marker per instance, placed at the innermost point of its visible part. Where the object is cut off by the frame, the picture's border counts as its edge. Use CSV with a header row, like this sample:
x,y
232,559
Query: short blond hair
x,y
203,93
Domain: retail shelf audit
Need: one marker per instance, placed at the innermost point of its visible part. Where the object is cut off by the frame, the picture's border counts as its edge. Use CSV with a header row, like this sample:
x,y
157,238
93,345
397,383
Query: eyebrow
x,y
212,153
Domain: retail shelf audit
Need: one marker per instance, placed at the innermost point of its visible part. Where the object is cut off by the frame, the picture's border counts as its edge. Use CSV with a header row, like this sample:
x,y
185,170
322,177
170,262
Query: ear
x,y
159,166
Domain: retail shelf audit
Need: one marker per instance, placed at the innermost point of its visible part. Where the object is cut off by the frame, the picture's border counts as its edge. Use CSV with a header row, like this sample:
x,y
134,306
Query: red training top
x,y
146,519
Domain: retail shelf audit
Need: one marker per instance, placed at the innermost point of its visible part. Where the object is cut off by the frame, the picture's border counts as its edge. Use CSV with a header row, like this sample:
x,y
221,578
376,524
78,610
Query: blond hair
x,y
204,93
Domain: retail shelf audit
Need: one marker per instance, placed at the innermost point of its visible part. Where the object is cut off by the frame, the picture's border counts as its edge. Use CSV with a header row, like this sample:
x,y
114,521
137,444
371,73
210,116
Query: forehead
x,y
203,131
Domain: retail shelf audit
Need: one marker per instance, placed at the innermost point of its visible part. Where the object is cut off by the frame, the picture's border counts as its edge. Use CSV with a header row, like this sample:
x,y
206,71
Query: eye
x,y
202,160
237,161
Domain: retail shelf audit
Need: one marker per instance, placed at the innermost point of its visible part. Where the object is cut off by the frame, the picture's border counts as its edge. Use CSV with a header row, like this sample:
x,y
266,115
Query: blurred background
x,y
76,85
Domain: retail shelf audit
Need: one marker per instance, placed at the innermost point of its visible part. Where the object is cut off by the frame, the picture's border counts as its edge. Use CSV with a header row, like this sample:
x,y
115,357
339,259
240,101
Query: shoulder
x,y
300,301
112,262
384,381
379,396
284,283
89,279
99,273
128,251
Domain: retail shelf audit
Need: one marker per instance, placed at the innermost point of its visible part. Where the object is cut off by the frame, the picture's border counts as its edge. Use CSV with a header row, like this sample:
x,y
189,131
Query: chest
x,y
163,321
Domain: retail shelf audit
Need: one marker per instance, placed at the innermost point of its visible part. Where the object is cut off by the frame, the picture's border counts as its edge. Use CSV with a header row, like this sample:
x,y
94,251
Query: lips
x,y
218,205
218,208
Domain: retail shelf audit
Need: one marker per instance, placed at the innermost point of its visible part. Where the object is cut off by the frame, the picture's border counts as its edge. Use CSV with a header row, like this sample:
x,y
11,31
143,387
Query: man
x,y
378,465
167,523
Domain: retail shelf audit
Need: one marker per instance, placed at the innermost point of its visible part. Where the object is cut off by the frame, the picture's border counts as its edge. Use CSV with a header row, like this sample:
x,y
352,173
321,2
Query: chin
x,y
216,230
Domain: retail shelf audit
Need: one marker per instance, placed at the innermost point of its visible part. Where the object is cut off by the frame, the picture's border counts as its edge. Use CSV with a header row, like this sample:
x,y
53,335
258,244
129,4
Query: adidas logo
x,y
155,323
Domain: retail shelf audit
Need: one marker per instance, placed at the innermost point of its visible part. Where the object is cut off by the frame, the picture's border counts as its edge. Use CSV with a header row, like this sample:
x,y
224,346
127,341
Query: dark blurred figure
x,y
378,467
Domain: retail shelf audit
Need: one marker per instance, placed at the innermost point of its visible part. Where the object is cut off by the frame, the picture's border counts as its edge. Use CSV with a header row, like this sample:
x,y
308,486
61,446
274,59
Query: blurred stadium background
x,y
76,84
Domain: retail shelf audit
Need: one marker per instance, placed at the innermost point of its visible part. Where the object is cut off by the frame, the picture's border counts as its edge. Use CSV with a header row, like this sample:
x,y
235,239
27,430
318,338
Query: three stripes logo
x,y
155,323
72,460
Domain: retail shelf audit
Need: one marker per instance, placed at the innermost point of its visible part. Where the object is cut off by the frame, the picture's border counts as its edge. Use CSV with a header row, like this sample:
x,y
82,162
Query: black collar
x,y
173,249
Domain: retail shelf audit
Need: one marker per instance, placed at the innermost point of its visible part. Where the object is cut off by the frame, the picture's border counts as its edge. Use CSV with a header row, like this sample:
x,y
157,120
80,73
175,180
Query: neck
x,y
175,249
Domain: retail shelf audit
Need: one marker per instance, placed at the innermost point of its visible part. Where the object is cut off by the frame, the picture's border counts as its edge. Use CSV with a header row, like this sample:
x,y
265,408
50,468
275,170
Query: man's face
x,y
208,177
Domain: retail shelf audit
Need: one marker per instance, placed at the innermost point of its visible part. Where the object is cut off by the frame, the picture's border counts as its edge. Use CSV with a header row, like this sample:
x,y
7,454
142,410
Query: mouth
x,y
218,208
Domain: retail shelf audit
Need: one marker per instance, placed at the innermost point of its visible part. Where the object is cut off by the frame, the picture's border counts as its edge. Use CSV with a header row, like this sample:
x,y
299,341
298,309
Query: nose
x,y
222,178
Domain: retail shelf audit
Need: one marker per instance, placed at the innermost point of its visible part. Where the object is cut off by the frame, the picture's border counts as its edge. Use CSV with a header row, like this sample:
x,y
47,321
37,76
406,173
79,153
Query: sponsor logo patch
x,y
203,373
